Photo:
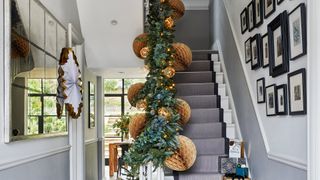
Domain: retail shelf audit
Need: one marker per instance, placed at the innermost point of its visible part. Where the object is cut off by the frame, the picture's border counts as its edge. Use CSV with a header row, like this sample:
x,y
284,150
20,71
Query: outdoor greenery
x,y
122,126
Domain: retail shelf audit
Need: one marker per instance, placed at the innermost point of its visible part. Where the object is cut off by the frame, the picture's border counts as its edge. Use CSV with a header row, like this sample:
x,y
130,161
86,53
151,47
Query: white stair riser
x,y
217,67
215,57
227,116
222,90
224,102
219,78
231,131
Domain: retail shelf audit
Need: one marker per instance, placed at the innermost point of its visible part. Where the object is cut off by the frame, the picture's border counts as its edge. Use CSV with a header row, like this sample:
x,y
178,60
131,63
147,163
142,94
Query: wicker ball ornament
x,y
184,110
184,157
133,92
139,43
178,8
137,124
19,46
182,56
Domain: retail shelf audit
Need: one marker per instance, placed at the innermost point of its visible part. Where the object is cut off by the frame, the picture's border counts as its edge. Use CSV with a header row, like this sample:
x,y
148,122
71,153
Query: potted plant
x,y
122,126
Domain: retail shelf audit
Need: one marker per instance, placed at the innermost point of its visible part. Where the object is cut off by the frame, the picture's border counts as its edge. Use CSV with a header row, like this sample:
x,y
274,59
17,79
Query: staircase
x,y
199,86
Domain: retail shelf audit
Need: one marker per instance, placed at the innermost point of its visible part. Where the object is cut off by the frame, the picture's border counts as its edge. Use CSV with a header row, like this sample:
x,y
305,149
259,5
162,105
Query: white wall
x,y
285,137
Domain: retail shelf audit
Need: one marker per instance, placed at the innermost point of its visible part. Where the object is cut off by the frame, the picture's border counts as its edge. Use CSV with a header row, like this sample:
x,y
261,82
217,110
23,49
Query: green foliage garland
x,y
158,141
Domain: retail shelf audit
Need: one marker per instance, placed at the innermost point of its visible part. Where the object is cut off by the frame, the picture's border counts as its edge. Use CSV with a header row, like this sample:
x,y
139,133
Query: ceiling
x,y
109,28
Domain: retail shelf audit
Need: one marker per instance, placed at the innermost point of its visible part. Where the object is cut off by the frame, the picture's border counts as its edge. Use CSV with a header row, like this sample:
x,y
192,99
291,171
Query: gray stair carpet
x,y
206,128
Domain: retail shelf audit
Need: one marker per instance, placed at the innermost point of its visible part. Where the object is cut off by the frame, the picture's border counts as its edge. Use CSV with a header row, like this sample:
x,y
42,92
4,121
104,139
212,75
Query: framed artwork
x,y
282,100
298,32
258,12
261,90
269,7
251,16
265,50
91,105
247,45
278,45
271,99
256,52
244,21
297,92
279,1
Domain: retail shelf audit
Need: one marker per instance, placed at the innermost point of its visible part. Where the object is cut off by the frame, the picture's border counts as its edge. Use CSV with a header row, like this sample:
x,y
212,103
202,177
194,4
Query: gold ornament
x,y
169,72
144,52
184,157
165,136
163,1
169,23
164,112
142,104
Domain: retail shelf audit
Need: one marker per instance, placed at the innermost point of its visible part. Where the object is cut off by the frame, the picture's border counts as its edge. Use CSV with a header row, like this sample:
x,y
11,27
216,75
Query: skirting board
x,y
91,141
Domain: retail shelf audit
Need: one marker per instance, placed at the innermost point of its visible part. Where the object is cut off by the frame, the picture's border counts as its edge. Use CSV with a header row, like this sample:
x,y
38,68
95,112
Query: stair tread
x,y
205,130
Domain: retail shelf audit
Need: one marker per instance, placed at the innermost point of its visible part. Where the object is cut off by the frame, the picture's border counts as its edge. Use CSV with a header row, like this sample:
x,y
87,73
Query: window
x,y
41,113
116,102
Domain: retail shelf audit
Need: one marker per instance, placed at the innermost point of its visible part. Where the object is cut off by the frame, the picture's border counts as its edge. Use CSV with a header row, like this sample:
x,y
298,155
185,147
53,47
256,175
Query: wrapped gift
x,y
234,178
228,165
243,172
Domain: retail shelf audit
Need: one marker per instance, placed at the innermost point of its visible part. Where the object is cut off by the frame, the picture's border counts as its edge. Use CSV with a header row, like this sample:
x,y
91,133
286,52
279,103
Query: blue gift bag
x,y
243,172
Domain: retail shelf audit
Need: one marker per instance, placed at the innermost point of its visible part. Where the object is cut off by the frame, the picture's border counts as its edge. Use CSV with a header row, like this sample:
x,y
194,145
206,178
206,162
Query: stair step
x,y
202,54
231,131
215,57
202,101
217,67
201,176
219,78
193,77
188,89
205,164
205,130
227,116
206,115
210,146
222,90
201,65
224,102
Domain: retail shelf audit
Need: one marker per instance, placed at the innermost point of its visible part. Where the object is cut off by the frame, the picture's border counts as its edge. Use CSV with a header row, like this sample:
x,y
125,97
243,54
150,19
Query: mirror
x,y
91,105
36,41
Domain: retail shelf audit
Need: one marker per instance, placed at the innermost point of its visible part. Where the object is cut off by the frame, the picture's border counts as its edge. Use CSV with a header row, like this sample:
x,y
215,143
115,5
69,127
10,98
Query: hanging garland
x,y
156,132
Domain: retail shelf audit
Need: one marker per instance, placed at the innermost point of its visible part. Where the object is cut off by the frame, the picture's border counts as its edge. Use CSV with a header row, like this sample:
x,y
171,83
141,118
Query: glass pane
x,y
54,125
49,105
109,131
50,86
129,82
34,106
128,108
113,86
112,106
32,125
34,86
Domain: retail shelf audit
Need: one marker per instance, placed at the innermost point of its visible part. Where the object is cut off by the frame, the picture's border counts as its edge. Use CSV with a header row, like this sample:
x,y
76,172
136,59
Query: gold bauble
x,y
164,112
133,92
169,72
144,52
163,1
137,124
182,56
184,110
142,104
139,43
169,23
184,157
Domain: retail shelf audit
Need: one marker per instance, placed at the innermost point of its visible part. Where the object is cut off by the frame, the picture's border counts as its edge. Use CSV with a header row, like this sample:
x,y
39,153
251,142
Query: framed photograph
x,y
269,7
265,50
271,104
256,53
261,90
282,100
244,21
297,92
247,46
278,45
251,16
279,1
258,9
91,105
298,32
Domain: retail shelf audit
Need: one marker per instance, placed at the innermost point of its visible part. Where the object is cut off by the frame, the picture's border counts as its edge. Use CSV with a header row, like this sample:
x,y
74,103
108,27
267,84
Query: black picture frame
x,y
265,50
256,55
251,16
247,49
271,100
279,1
297,92
91,105
269,7
258,9
278,55
261,93
282,100
298,32
244,20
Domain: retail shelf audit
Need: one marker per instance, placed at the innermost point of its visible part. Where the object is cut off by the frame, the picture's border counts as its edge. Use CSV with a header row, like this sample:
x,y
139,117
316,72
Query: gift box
x,y
228,165
243,172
